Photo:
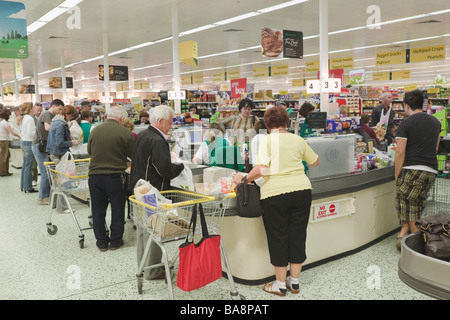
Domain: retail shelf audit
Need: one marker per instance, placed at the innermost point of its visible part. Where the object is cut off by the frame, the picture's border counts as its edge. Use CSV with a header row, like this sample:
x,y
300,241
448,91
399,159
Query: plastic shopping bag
x,y
148,194
75,131
184,180
66,171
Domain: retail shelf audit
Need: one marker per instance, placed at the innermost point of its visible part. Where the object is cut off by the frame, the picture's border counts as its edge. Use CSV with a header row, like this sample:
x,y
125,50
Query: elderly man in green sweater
x,y
110,145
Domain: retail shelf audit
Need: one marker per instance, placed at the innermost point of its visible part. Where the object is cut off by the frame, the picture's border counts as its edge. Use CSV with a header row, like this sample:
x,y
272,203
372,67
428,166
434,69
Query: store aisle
x,y
36,265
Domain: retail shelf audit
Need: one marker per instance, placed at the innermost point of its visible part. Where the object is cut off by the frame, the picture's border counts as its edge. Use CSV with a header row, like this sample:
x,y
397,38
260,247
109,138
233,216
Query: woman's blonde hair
x,y
127,123
25,108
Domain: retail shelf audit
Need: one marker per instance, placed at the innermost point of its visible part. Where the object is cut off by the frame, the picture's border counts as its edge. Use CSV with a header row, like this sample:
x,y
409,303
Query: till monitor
x,y
317,120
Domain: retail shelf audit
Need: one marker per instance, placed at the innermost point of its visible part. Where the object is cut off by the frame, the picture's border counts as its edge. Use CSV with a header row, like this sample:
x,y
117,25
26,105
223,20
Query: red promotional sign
x,y
238,87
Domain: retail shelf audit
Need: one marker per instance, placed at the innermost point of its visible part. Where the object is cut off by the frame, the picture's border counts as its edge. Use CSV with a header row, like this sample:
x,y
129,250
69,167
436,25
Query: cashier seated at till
x,y
367,132
304,112
217,146
144,118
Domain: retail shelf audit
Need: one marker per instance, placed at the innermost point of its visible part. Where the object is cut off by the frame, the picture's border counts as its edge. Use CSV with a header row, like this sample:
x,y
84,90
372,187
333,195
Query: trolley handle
x,y
76,160
166,206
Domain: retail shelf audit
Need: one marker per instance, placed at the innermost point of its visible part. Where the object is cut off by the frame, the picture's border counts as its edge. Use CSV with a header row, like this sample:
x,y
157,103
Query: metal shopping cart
x,y
438,200
170,222
66,185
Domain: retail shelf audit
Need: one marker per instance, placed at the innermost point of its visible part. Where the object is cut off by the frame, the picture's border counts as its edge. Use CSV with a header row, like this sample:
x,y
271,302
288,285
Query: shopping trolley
x,y
65,185
438,200
170,222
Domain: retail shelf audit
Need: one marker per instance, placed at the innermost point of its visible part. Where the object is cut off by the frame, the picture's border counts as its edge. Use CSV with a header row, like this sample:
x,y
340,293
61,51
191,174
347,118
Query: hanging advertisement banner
x,y
292,44
56,82
357,76
188,51
271,42
274,42
13,30
116,73
238,87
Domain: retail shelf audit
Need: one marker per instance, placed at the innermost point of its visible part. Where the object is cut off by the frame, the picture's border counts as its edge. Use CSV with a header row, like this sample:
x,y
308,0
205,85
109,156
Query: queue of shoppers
x,y
278,164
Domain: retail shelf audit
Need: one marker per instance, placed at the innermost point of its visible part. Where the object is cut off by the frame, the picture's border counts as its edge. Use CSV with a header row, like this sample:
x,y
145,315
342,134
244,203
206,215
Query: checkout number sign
x,y
176,95
324,85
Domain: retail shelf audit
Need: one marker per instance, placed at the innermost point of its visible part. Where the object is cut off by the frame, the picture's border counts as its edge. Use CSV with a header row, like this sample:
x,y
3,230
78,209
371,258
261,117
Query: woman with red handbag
x,y
285,197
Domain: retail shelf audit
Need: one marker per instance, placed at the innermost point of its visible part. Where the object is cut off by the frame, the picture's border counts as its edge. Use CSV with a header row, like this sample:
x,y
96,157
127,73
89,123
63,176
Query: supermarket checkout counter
x,y
348,212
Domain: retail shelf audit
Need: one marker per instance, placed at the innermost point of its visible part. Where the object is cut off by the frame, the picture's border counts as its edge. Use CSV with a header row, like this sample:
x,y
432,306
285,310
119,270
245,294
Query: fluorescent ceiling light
x,y
237,18
205,27
70,3
281,6
142,45
34,26
52,14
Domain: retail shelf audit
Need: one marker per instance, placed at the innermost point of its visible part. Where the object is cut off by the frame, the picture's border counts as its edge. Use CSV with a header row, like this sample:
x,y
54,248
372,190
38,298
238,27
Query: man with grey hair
x,y
151,161
110,144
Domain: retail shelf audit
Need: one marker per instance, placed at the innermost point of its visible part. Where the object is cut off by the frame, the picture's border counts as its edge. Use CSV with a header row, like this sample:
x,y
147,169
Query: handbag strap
x,y
193,222
245,191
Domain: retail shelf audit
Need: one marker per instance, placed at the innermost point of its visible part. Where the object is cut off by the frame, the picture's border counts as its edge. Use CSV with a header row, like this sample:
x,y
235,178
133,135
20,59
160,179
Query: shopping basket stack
x,y
170,222
438,201
65,185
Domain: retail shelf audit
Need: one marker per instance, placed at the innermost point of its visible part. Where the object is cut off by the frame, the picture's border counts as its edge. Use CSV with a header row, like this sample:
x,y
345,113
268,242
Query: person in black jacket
x,y
151,161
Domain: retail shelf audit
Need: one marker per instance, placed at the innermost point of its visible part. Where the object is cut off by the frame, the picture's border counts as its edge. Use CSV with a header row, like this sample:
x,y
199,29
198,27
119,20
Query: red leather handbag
x,y
200,263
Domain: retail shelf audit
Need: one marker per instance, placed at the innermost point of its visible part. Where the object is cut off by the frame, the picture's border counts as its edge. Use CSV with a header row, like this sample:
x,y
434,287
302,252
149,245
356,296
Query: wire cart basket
x,y
438,200
65,185
170,222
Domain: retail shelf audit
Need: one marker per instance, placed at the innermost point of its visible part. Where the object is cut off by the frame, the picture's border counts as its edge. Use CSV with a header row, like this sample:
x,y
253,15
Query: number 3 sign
x,y
331,85
328,85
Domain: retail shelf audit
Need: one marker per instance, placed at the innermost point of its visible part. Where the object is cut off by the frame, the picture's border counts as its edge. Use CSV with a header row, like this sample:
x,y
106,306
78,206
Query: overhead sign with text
x,y
423,54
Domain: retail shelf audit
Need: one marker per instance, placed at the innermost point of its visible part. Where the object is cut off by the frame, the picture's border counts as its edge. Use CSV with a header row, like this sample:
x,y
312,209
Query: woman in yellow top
x,y
285,196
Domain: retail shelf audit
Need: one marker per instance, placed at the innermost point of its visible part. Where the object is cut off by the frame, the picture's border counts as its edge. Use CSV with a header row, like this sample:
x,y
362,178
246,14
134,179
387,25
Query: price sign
x,y
312,86
331,85
176,95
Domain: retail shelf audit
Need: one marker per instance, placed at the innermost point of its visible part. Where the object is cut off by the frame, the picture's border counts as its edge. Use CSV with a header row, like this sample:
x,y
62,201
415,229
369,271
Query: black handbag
x,y
248,200
42,146
436,234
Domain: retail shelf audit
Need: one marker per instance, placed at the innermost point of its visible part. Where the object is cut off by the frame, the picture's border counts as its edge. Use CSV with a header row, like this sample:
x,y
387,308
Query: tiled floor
x,y
36,265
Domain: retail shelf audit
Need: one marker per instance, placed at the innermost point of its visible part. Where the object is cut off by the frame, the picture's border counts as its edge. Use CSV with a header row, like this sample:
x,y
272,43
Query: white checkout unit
x,y
348,212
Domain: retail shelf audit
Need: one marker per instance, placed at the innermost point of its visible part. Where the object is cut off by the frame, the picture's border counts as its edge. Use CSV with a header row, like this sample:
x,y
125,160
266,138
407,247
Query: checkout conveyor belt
x,y
423,273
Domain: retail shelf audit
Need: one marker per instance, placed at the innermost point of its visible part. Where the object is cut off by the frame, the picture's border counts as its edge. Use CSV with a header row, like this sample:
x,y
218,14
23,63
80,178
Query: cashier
x,y
304,112
218,152
143,118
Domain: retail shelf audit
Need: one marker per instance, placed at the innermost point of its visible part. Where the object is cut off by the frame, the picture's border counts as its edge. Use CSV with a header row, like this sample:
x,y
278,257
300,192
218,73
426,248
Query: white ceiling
x,y
133,22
